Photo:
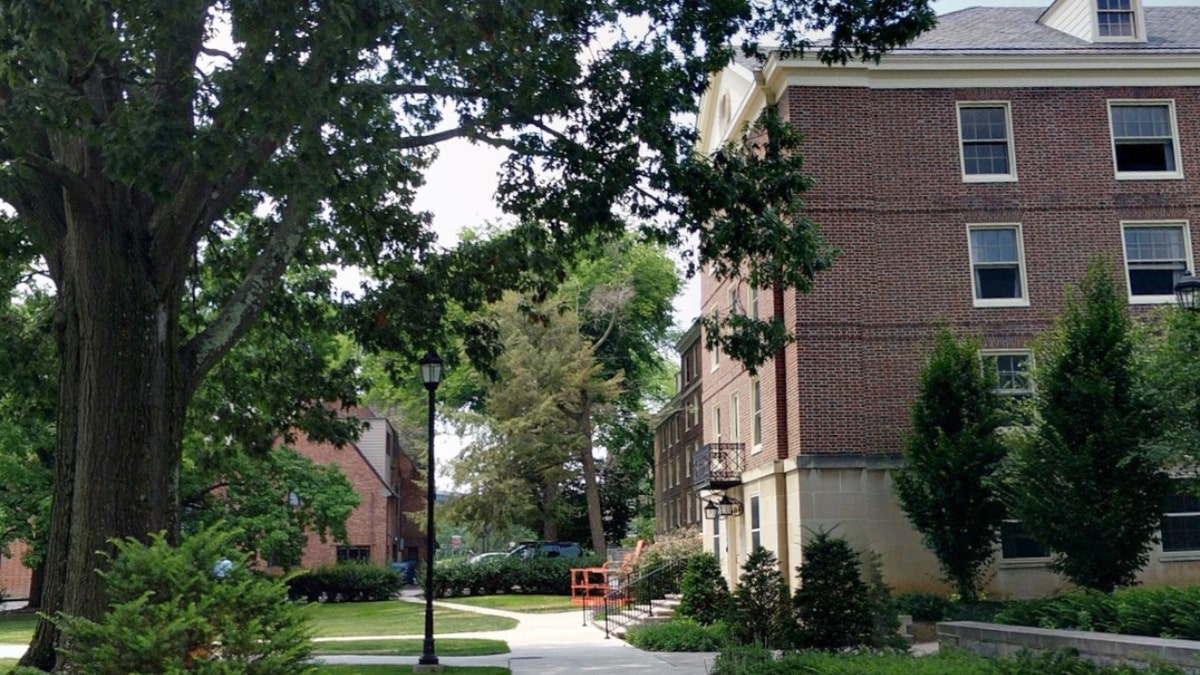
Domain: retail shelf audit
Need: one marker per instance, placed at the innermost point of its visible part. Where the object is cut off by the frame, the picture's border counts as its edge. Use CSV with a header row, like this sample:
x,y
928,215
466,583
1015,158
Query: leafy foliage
x,y
833,604
922,605
345,582
1155,612
1089,445
951,455
761,613
678,635
706,598
537,576
176,609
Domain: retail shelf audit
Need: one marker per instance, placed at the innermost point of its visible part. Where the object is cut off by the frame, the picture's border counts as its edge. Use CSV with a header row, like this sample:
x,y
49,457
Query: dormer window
x,y
1115,19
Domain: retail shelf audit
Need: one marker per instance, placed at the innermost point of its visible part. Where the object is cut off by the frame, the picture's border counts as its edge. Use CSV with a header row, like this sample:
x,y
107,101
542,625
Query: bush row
x,y
548,576
757,661
1153,612
345,582
679,635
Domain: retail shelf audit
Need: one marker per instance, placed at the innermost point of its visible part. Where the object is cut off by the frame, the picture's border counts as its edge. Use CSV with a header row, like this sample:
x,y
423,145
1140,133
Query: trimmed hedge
x,y
345,582
678,635
542,576
922,605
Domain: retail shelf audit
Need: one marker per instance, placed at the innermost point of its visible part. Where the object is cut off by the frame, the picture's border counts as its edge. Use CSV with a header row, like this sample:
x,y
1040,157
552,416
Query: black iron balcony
x,y
717,466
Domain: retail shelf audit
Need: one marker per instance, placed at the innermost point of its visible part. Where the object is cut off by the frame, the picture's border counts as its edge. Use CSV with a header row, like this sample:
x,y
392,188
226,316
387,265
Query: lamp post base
x,y
428,668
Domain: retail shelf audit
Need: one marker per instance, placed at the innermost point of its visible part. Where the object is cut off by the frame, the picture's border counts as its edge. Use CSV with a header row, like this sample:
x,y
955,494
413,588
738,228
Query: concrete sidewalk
x,y
554,644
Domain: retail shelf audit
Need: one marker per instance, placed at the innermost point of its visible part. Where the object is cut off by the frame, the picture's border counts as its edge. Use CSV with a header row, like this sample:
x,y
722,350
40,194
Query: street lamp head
x,y
431,370
1187,291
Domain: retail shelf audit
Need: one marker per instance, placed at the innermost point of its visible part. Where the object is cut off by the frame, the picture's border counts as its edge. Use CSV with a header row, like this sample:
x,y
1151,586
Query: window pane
x,y
1011,373
1180,533
1155,244
994,246
754,522
1153,281
1141,121
1015,542
985,158
983,124
1155,156
1113,4
984,140
998,282
1142,135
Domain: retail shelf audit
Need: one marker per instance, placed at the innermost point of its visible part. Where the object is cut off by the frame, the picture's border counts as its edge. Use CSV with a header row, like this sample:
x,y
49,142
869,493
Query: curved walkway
x,y
552,644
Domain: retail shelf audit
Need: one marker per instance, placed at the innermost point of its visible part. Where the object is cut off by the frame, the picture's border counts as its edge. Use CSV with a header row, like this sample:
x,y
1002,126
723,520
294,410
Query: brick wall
x,y
14,577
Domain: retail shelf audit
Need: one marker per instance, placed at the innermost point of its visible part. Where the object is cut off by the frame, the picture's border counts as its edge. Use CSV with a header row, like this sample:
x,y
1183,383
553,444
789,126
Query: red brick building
x,y
390,486
966,179
678,433
15,578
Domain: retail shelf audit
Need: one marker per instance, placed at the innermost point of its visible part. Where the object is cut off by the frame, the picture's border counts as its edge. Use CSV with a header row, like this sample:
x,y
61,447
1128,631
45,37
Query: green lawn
x,y
393,617
519,603
7,665
17,628
399,669
444,646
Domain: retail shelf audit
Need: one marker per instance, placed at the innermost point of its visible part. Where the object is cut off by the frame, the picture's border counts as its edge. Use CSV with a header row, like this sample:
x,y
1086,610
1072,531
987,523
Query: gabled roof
x,y
1016,30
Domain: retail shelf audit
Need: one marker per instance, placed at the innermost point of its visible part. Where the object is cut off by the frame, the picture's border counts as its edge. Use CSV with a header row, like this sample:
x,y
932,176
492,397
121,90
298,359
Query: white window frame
x,y
1178,553
756,430
1009,142
735,418
1022,301
987,354
1189,262
754,512
1177,174
754,303
733,297
1136,17
716,424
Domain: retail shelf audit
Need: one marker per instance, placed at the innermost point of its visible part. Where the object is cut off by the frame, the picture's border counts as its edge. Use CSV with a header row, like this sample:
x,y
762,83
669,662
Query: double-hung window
x,y
1115,18
985,139
1016,543
755,524
735,418
997,265
1156,256
1145,140
756,402
1013,382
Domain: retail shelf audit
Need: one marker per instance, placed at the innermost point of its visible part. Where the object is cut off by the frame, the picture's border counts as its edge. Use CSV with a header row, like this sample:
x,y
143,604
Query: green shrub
x,y
345,582
922,605
1154,612
833,604
761,614
544,576
196,608
980,610
1063,662
706,597
679,635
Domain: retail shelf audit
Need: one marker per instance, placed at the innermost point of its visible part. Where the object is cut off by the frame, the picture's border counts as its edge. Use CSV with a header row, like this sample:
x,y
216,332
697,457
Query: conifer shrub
x,y
833,604
761,615
196,607
706,598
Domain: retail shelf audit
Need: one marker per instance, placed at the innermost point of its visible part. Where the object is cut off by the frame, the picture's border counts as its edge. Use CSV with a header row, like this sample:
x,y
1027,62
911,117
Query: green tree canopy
x,y
1085,484
951,456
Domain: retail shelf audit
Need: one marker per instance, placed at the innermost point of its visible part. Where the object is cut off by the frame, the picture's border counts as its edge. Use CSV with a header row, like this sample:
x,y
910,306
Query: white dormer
x,y
1098,20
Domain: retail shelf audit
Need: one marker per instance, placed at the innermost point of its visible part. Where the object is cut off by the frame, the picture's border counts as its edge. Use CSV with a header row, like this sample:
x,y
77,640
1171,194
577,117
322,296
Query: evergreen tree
x,y
706,597
761,615
1084,484
833,605
951,454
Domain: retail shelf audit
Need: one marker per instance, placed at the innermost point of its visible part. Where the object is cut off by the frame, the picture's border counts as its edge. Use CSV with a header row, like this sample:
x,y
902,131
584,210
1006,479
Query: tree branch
x,y
207,347
72,182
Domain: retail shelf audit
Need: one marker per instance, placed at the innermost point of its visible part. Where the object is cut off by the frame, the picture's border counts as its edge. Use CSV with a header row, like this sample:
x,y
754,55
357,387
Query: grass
x,y
407,669
520,603
7,665
392,617
16,628
412,647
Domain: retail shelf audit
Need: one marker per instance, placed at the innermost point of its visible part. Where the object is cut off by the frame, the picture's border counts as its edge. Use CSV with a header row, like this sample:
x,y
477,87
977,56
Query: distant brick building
x,y
15,578
966,179
678,433
390,486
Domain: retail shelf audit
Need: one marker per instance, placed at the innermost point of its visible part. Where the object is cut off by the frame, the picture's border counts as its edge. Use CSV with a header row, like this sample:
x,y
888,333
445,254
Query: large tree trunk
x,y
121,411
591,487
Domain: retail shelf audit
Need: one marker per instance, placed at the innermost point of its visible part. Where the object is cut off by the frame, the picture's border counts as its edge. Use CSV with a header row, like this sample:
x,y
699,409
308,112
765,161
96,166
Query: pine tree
x,y
706,597
761,615
833,604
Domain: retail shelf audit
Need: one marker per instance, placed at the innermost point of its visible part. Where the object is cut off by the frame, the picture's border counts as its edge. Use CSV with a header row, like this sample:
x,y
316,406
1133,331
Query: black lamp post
x,y
431,374
1187,291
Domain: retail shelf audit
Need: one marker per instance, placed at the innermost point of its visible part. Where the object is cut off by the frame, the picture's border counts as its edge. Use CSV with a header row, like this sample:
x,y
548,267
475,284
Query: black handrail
x,y
633,594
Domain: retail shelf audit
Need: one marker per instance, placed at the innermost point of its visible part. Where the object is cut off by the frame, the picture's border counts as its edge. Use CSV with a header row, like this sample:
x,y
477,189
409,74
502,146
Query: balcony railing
x,y
717,466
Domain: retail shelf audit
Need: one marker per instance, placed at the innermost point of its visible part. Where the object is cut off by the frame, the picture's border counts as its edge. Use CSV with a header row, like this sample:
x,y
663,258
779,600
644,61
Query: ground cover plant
x,y
1155,612
679,635
392,617
753,661
412,647
355,669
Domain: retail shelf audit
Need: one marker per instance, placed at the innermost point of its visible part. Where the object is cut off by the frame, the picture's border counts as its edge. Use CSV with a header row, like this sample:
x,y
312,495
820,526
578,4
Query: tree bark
x,y
591,487
121,410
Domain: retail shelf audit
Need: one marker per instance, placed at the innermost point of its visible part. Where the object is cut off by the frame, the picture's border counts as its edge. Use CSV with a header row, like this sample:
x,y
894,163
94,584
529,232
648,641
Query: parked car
x,y
546,549
494,555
